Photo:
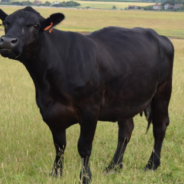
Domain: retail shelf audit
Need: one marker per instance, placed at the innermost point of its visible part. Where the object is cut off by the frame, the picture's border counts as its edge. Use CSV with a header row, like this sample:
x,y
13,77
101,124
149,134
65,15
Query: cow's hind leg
x,y
59,138
124,135
160,121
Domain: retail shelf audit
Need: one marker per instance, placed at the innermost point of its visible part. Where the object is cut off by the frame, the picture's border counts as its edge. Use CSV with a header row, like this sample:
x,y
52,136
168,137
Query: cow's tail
x,y
148,115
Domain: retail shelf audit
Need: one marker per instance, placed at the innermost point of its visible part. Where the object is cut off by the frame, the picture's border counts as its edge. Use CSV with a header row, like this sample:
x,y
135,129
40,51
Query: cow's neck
x,y
46,60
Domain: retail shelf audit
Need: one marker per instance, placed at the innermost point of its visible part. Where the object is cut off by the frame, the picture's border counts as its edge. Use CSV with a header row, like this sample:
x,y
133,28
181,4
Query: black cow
x,y
110,75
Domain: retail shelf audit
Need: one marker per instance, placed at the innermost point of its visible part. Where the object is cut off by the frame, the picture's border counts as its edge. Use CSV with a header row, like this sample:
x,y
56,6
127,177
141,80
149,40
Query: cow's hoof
x,y
113,168
54,174
85,181
151,166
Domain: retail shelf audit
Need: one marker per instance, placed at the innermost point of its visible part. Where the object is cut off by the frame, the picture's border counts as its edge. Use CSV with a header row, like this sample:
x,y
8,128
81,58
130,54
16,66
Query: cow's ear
x,y
3,15
53,20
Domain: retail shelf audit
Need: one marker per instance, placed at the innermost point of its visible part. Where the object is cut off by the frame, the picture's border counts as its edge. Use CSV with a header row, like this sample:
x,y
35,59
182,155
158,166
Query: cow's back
x,y
128,50
130,60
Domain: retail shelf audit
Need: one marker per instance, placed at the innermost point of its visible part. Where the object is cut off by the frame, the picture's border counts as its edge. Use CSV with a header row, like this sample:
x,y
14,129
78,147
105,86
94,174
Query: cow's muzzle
x,y
8,47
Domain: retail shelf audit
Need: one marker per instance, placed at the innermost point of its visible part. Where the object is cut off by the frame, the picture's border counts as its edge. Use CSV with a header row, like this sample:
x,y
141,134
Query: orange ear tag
x,y
50,28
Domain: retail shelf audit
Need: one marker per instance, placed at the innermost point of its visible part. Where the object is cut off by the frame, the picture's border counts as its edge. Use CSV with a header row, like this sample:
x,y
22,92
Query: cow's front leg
x,y
59,138
87,131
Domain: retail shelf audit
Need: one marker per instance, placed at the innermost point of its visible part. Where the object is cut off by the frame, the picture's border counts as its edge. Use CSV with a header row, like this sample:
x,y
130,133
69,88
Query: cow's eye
x,y
36,26
33,25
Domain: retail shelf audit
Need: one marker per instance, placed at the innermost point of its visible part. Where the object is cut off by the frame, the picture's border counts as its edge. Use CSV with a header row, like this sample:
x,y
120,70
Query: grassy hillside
x,y
166,23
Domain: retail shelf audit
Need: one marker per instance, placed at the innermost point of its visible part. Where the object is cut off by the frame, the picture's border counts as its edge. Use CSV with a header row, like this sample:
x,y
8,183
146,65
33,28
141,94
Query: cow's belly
x,y
126,102
122,112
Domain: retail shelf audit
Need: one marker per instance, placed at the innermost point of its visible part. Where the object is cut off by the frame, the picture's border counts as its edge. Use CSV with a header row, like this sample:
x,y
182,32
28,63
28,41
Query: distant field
x,y
109,5
101,5
166,23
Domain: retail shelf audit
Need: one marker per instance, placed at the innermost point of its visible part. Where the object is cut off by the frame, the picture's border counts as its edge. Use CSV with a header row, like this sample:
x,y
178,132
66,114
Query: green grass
x,y
27,150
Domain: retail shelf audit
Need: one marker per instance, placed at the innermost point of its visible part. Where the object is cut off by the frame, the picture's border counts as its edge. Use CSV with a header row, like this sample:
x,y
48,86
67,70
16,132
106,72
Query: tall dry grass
x,y
26,148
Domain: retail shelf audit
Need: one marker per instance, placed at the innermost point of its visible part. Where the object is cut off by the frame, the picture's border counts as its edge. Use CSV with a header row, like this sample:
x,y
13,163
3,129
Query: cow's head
x,y
23,32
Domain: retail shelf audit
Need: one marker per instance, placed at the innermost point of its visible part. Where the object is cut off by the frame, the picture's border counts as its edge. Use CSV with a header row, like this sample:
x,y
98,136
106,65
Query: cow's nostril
x,y
14,41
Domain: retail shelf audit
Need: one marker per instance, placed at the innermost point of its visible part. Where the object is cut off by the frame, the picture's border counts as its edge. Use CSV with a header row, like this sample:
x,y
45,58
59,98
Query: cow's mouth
x,y
9,53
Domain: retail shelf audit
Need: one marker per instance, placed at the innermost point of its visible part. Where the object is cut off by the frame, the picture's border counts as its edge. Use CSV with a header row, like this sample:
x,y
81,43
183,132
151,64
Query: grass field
x,y
27,150
109,5
166,23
